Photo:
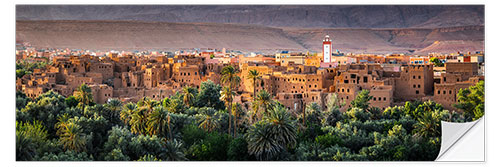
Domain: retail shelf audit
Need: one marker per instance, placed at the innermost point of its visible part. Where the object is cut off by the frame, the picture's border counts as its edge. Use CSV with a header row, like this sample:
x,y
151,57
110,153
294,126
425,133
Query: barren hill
x,y
317,16
139,35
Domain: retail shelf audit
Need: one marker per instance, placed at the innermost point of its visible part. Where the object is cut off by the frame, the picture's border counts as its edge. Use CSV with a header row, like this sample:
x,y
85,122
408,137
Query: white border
x,y
7,8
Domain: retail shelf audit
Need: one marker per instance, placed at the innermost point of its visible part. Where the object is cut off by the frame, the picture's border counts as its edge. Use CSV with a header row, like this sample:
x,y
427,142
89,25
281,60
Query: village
x,y
293,78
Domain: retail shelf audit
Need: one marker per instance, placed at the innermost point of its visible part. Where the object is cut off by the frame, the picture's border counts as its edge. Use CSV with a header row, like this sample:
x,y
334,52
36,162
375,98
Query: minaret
x,y
327,49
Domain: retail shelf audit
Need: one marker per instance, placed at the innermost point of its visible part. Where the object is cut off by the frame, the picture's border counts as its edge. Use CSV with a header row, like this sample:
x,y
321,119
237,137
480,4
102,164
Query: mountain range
x,y
270,28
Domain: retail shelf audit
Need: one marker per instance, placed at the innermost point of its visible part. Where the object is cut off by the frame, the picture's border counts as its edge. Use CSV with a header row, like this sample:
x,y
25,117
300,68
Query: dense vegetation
x,y
26,67
204,124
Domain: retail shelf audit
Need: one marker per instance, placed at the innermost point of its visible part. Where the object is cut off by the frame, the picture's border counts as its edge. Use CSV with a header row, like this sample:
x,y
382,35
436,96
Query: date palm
x,y
62,122
114,106
138,121
231,79
174,151
263,101
237,113
261,142
188,94
72,137
207,119
428,124
127,111
83,95
254,75
158,122
272,135
282,126
227,96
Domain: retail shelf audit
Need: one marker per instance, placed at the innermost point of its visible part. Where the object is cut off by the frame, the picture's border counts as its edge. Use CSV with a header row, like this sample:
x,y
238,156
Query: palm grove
x,y
205,124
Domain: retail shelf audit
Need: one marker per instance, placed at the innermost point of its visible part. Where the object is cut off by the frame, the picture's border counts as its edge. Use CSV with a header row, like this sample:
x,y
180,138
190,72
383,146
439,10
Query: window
x,y
439,92
346,81
342,90
379,98
365,79
444,79
418,86
416,92
414,77
413,86
419,77
384,99
450,91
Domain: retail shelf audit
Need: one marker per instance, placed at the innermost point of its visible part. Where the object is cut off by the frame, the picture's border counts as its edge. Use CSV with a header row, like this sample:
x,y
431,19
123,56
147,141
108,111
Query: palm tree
x,y
282,126
261,142
127,111
62,122
272,135
188,95
231,79
227,96
84,95
73,138
114,106
25,148
428,124
264,100
138,121
237,112
207,119
313,113
174,151
254,75
157,122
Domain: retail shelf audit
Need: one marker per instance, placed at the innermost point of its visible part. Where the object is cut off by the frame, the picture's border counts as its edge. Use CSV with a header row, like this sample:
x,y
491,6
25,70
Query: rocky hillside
x,y
323,16
139,35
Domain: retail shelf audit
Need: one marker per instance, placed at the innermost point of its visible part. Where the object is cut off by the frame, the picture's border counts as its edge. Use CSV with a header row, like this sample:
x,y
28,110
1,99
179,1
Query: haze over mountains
x,y
357,29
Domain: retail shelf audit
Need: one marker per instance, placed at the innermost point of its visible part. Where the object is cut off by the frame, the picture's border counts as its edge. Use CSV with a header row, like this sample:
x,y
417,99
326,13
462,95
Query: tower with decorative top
x,y
327,49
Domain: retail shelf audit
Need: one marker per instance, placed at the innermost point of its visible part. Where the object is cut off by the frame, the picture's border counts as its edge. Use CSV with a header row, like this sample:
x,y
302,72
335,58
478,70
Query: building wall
x,y
415,82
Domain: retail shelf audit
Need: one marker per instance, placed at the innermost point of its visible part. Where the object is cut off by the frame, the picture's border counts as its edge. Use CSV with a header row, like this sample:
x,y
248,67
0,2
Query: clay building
x,y
414,82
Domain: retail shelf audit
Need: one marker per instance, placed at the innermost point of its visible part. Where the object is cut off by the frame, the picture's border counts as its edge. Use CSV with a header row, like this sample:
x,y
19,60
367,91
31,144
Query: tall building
x,y
327,49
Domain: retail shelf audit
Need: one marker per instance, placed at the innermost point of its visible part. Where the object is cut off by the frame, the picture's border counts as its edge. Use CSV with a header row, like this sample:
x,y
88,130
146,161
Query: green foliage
x,y
25,147
362,100
238,151
25,67
358,114
328,140
212,148
52,127
116,155
192,134
272,135
209,96
83,95
71,101
207,119
144,145
436,62
148,157
471,101
67,156
21,100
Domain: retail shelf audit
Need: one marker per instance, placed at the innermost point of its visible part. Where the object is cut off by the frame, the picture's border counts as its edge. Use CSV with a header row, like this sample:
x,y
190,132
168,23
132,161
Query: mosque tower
x,y
327,49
